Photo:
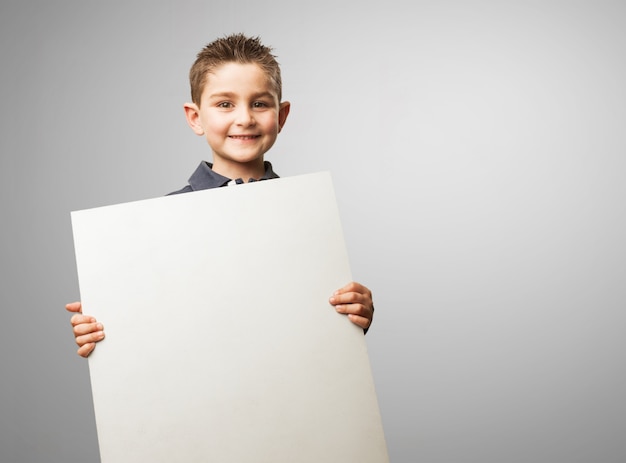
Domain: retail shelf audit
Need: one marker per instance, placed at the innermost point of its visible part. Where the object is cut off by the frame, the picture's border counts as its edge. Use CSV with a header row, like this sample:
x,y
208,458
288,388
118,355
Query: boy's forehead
x,y
238,78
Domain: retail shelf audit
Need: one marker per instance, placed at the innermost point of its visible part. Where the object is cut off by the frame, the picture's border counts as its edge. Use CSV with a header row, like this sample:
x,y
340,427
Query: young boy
x,y
236,94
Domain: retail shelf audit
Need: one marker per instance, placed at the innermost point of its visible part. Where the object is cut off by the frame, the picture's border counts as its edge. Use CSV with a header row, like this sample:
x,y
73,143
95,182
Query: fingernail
x,y
99,326
332,300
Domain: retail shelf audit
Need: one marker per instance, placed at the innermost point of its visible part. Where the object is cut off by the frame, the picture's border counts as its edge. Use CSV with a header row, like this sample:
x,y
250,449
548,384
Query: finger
x,y
74,307
79,319
89,338
361,322
87,328
351,298
355,309
352,287
86,349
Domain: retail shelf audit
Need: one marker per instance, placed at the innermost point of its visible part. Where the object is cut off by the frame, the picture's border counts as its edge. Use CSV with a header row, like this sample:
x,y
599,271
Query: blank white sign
x,y
221,345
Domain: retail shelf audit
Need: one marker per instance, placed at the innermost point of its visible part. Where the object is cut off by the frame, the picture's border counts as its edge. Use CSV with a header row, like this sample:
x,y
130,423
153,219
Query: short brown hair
x,y
235,48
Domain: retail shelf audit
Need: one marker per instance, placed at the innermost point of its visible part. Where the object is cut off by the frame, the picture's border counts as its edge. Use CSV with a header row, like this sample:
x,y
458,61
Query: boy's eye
x,y
259,104
225,104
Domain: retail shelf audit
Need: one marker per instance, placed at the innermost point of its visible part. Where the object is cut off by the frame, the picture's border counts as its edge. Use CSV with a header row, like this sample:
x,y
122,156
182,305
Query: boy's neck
x,y
244,171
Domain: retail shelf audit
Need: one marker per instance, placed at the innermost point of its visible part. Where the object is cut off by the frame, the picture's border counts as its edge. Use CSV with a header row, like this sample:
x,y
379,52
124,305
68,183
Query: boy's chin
x,y
243,160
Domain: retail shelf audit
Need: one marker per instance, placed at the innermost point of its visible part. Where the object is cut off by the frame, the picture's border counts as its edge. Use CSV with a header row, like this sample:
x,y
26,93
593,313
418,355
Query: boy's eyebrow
x,y
232,95
222,95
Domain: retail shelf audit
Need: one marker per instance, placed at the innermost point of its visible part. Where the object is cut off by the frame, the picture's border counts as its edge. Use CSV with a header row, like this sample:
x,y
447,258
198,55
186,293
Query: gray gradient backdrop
x,y
478,151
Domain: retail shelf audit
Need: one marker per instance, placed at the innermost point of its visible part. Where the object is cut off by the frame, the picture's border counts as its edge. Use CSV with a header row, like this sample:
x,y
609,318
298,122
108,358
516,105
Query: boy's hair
x,y
235,48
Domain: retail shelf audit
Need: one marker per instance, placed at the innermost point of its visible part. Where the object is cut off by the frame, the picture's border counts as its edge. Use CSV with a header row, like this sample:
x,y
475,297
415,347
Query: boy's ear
x,y
192,114
283,112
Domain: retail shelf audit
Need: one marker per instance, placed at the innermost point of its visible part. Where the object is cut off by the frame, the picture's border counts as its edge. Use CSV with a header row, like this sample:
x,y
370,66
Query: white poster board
x,y
221,345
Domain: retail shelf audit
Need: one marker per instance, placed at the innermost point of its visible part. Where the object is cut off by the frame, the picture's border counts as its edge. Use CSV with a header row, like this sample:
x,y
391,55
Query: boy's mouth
x,y
244,137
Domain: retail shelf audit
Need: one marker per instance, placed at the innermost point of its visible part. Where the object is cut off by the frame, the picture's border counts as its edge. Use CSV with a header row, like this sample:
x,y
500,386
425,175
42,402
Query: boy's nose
x,y
245,117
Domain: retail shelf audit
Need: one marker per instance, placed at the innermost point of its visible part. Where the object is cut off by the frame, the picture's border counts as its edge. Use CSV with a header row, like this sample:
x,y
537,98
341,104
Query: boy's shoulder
x,y
203,178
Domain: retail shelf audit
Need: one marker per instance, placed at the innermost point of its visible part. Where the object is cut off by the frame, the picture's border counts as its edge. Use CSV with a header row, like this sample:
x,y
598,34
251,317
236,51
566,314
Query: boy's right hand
x,y
87,330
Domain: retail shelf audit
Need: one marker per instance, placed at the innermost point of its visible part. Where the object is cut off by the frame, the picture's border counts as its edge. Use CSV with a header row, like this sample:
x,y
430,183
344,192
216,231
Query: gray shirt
x,y
204,178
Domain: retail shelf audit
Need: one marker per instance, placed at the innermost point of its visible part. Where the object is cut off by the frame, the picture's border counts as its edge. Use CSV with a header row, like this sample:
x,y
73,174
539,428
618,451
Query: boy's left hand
x,y
355,300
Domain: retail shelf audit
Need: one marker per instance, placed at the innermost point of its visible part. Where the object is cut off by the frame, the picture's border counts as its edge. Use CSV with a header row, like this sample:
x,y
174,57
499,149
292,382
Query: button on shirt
x,y
204,178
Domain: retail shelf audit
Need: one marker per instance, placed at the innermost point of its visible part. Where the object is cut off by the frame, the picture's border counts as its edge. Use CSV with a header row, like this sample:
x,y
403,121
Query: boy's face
x,y
239,114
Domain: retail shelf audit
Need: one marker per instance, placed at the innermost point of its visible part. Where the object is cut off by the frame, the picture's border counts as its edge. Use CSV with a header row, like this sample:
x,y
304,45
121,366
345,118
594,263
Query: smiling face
x,y
240,117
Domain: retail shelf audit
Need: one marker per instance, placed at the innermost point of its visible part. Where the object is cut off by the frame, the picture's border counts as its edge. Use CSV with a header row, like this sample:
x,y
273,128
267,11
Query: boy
x,y
237,106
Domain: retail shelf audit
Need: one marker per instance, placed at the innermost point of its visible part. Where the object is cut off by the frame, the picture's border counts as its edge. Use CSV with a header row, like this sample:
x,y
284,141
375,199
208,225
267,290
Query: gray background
x,y
478,154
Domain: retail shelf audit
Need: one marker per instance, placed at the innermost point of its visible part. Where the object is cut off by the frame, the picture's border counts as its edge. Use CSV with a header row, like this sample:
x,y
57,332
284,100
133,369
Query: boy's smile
x,y
240,116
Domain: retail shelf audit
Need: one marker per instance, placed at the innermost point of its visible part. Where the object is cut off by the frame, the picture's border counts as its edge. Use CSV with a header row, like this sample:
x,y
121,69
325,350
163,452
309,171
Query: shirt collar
x,y
204,177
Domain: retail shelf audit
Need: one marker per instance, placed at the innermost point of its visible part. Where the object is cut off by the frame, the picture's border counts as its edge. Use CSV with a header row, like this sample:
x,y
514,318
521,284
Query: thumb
x,y
75,307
